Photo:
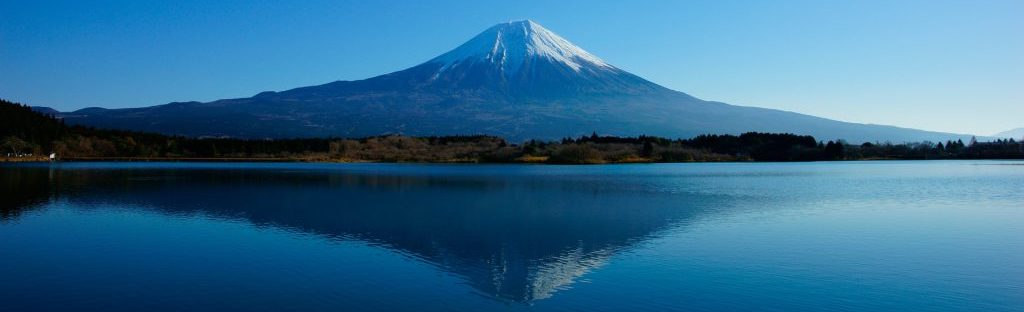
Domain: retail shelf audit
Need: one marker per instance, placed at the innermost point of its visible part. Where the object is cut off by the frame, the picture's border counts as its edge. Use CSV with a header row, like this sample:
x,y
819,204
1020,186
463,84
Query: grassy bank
x,y
24,159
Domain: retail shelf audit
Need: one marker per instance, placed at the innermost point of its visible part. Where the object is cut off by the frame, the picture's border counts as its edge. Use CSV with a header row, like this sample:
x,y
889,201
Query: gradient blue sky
x,y
954,66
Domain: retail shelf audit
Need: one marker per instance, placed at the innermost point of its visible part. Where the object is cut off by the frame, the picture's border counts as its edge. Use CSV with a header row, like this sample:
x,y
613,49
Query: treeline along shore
x,y
32,136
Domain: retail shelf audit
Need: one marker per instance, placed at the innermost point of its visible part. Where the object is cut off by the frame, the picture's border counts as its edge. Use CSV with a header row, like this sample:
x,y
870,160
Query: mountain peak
x,y
511,45
516,79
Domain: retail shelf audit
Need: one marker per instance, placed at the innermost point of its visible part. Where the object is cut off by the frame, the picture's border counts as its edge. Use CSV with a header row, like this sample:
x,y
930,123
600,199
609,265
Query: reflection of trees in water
x,y
517,238
22,189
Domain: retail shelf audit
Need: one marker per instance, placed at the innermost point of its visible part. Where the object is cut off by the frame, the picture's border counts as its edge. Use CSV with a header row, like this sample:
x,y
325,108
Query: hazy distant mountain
x,y
45,110
517,80
1015,134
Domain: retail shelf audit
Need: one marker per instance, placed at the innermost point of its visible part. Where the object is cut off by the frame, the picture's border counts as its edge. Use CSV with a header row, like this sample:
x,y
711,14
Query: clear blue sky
x,y
953,66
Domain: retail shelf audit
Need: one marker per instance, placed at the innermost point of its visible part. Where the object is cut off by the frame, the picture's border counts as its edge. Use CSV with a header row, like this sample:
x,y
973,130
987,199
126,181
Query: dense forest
x,y
27,134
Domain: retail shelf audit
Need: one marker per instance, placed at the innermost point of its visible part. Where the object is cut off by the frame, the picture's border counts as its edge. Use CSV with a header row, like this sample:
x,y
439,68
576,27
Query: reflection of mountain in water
x,y
517,238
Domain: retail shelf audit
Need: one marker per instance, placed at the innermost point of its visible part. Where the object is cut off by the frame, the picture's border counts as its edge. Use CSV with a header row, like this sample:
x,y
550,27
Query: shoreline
x,y
4,159
347,161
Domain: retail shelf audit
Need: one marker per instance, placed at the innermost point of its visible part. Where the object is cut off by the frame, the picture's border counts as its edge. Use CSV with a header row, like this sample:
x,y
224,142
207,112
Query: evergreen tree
x,y
648,149
833,150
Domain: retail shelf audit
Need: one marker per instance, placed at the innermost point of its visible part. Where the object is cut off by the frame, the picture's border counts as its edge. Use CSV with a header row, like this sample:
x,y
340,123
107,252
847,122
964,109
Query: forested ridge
x,y
26,134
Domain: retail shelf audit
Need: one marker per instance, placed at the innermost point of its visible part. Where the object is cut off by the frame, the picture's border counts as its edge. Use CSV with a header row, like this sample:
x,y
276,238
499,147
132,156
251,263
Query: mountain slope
x,y
517,80
1017,133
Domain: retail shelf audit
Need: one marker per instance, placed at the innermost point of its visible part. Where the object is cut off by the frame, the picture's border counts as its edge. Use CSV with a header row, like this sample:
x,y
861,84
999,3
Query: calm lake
x,y
836,236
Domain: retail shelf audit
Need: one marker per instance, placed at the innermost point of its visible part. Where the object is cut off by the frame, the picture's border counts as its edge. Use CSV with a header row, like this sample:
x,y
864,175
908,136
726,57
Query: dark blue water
x,y
838,236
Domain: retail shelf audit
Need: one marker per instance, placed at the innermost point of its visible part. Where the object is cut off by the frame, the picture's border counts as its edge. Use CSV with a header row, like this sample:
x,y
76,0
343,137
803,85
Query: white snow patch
x,y
508,45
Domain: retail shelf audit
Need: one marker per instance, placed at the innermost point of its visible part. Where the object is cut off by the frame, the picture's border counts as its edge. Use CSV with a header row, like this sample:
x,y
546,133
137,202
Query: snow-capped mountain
x,y
517,80
509,46
526,61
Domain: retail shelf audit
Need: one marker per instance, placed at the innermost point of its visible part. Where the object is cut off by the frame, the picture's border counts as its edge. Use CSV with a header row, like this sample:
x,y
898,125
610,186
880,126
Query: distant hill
x,y
516,80
45,110
1017,134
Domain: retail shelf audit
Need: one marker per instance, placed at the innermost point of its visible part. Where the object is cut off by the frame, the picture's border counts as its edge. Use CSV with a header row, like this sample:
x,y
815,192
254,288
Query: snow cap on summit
x,y
509,45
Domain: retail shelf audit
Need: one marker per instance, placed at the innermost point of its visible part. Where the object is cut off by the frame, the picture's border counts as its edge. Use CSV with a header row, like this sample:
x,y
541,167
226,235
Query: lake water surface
x,y
833,236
